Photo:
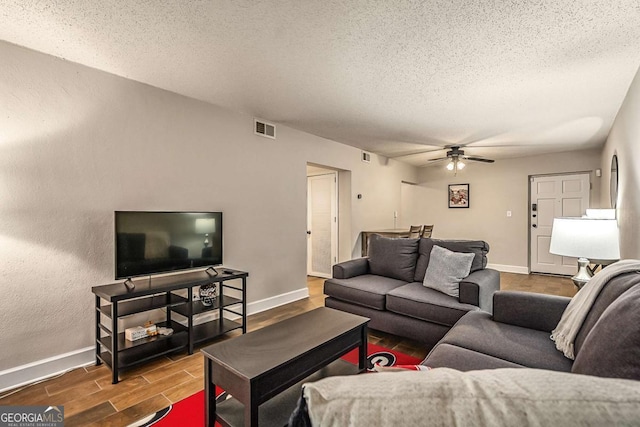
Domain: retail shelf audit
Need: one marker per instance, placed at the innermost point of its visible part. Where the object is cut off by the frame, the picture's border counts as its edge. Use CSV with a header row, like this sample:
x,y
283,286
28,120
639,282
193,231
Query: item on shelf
x,y
208,294
165,331
139,332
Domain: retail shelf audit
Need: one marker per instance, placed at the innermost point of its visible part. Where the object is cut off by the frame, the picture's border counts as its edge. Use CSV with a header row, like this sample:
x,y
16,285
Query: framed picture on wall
x,y
458,195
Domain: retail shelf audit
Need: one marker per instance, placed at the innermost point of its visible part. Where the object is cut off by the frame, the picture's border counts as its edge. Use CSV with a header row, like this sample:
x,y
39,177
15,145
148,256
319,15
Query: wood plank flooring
x,y
90,399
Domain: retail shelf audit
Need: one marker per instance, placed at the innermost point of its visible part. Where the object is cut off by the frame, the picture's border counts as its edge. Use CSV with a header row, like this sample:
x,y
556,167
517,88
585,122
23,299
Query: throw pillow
x,y
612,348
479,247
395,258
446,269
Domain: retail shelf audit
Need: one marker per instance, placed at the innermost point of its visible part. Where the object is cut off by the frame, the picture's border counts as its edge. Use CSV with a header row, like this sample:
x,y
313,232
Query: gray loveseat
x,y
387,287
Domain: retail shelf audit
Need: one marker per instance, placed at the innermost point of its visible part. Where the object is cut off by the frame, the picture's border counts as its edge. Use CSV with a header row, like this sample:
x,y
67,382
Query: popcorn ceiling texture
x,y
393,77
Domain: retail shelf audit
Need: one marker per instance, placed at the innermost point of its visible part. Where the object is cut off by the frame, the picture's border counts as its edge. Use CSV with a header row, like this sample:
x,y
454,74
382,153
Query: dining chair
x,y
414,231
426,231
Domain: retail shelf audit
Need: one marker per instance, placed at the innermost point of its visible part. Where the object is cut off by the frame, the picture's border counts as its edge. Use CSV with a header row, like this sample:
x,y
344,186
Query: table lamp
x,y
585,238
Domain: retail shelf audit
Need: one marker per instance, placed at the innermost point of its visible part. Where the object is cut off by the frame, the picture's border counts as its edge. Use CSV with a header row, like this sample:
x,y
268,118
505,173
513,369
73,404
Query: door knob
x,y
534,225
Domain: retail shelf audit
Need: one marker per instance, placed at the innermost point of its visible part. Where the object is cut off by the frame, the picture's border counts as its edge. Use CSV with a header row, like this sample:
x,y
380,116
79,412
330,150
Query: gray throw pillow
x,y
612,348
479,247
446,269
395,258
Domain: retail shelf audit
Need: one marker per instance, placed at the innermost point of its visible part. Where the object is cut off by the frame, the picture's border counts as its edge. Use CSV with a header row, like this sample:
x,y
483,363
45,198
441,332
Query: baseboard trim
x,y
46,368
509,268
276,301
52,366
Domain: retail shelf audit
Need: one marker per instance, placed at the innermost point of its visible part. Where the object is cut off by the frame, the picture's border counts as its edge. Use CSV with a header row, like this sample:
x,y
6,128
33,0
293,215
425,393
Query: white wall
x,y
77,144
624,140
494,189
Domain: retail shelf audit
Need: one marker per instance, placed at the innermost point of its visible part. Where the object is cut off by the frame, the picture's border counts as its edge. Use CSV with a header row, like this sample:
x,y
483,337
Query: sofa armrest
x,y
478,288
529,310
351,268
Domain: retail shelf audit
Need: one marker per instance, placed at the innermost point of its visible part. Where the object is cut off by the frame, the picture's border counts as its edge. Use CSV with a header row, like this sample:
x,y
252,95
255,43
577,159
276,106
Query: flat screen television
x,y
157,242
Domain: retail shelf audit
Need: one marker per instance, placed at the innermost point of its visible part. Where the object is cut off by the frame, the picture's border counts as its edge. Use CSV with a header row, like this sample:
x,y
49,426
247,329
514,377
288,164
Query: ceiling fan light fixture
x,y
461,164
450,166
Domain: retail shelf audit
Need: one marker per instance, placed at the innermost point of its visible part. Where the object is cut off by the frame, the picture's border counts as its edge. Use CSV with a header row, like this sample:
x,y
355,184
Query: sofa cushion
x,y
479,247
614,288
528,347
446,269
454,357
415,300
368,290
612,348
395,258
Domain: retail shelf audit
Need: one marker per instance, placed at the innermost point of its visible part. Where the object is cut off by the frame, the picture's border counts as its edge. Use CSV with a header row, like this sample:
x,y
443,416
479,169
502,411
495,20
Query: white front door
x,y
322,224
551,197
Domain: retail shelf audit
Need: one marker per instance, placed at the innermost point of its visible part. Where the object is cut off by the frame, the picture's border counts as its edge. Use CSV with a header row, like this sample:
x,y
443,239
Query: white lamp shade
x,y
205,225
590,238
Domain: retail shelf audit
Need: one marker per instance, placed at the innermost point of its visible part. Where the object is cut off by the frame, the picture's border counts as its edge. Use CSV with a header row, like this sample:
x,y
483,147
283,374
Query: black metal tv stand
x,y
173,293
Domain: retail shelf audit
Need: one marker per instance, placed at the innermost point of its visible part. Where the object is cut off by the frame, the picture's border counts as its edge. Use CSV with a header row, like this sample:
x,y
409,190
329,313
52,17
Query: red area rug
x,y
189,412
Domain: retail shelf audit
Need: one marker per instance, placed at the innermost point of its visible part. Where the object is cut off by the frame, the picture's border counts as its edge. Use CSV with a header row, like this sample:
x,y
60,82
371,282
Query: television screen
x,y
156,242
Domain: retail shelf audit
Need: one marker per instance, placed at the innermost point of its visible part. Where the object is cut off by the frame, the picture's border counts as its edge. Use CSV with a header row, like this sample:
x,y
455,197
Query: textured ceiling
x,y
506,78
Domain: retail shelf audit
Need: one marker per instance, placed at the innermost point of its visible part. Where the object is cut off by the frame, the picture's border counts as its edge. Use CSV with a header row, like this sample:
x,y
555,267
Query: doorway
x,y
322,221
553,196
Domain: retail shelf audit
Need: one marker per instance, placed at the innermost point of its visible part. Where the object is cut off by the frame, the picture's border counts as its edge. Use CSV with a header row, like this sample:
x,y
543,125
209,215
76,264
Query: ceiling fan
x,y
455,156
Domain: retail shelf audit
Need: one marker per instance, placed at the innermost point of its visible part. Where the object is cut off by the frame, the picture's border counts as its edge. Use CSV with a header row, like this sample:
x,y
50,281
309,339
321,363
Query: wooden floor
x,y
90,399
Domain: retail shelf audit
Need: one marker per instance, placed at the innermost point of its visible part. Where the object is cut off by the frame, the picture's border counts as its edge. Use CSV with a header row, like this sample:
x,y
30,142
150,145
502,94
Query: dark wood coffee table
x,y
267,365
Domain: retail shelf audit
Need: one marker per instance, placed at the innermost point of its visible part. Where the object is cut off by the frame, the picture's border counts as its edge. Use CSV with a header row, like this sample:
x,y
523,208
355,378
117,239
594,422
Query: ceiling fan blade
x,y
439,159
478,159
412,153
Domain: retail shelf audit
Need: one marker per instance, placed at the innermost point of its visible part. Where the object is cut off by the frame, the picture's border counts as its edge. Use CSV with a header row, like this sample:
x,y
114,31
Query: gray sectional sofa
x,y
485,328
387,287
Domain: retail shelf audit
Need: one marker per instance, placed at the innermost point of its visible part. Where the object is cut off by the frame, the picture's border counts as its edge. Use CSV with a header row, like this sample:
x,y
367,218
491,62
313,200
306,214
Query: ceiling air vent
x,y
366,157
265,129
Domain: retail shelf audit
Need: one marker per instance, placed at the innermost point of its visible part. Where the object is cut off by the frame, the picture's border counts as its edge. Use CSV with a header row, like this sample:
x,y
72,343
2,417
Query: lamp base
x,y
583,275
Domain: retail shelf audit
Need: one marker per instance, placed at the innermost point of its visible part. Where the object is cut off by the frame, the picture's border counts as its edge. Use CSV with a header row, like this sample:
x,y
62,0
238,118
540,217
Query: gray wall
x,y
494,189
624,140
77,144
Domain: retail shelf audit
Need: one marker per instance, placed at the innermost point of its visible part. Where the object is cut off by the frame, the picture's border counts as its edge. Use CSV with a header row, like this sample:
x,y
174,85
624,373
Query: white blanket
x,y
571,321
497,397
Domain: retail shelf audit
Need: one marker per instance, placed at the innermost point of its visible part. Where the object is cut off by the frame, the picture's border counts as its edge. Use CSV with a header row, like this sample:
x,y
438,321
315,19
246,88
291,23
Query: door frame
x,y
334,224
529,223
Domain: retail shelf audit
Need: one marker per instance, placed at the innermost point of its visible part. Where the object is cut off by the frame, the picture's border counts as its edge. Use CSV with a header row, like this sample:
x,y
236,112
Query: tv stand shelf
x,y
152,293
